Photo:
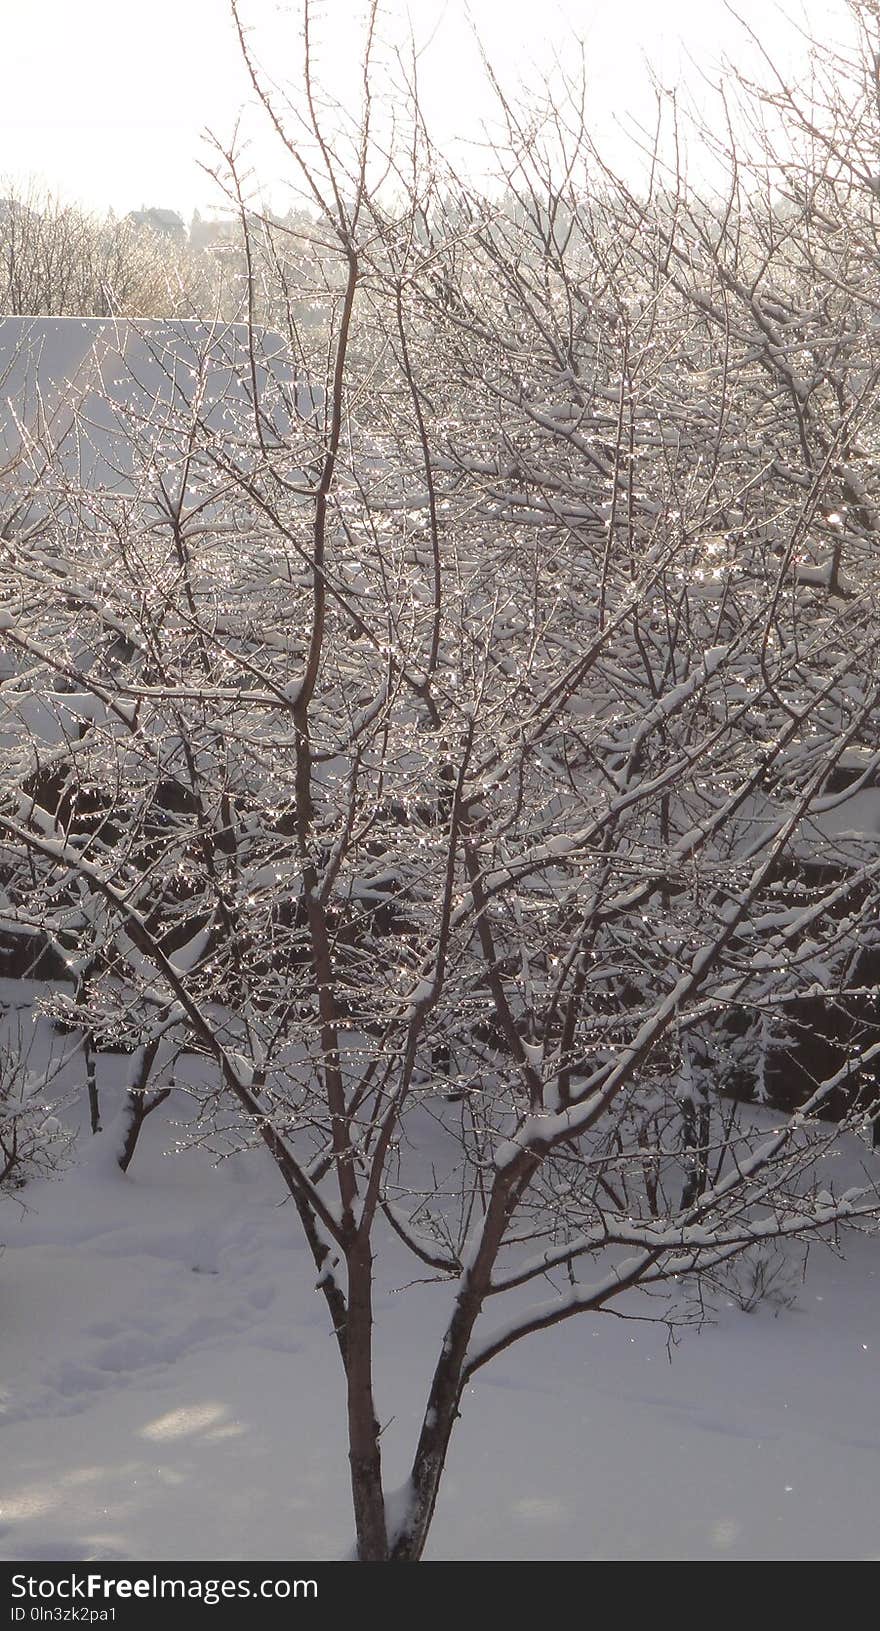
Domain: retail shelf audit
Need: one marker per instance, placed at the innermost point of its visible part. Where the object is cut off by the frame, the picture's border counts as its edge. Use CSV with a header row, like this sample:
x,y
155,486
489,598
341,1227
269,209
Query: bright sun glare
x,y
106,104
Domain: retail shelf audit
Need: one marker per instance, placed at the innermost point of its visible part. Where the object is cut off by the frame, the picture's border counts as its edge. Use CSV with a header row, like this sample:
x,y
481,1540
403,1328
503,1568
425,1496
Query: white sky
x,y
105,101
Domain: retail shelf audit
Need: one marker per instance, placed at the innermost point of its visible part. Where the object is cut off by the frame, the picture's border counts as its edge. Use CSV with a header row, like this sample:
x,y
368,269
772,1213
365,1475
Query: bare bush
x,y
34,1143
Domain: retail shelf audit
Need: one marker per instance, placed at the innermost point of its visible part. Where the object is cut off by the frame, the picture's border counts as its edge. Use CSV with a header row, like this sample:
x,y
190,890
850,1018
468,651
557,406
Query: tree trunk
x,y
94,1103
409,1544
363,1429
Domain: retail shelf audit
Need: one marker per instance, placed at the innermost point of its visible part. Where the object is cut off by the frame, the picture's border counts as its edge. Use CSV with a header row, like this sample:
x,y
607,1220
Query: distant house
x,y
156,220
13,210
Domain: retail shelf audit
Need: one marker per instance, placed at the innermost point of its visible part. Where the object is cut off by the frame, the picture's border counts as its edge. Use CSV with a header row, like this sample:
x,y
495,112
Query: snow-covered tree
x,y
58,260
33,1140
477,774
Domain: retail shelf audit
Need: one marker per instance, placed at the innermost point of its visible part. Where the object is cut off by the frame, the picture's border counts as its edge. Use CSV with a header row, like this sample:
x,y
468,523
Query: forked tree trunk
x,y
139,1105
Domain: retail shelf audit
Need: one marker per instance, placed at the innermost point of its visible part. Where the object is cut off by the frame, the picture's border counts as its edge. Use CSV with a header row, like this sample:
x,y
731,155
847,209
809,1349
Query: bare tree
x,y
455,772
58,260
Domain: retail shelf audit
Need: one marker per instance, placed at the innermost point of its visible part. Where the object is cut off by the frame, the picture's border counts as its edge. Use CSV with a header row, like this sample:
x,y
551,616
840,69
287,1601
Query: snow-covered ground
x,y
168,1389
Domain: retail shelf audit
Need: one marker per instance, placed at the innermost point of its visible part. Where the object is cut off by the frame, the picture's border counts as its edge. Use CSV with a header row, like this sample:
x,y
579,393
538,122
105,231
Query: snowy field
x,y
169,1390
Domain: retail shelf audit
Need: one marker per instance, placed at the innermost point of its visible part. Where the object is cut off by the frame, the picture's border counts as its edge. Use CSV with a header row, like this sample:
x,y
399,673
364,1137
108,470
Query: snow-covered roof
x,y
90,402
839,830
